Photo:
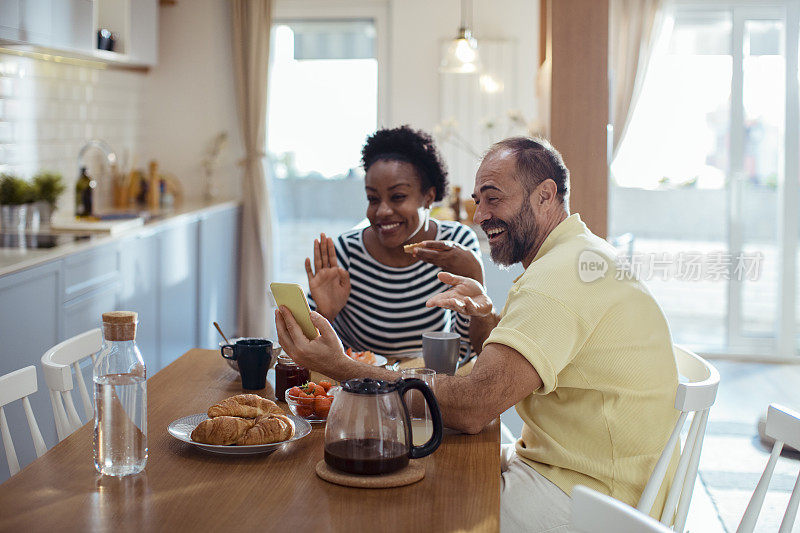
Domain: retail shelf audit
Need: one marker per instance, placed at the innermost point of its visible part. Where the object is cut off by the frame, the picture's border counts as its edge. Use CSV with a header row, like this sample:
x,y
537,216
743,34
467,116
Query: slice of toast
x,y
409,248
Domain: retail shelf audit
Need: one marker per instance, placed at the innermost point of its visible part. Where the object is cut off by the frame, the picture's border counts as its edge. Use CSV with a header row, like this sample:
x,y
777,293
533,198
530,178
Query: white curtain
x,y
251,26
634,27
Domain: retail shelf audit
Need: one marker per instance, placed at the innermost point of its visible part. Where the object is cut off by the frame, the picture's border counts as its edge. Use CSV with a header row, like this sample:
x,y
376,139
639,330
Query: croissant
x,y
268,429
222,430
244,406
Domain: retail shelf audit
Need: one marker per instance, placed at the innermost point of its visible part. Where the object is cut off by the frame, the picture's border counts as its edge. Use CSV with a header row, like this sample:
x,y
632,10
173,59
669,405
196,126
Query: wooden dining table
x,y
186,489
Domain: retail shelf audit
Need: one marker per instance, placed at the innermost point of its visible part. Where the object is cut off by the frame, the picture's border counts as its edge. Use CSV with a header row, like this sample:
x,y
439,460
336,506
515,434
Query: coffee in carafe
x,y
366,456
369,430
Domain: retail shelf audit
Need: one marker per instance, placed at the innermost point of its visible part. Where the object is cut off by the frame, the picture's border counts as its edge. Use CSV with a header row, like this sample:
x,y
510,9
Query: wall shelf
x,y
64,30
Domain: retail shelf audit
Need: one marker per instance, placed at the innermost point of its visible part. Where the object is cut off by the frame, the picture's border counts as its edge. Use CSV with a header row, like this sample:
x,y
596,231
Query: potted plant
x,y
47,186
14,194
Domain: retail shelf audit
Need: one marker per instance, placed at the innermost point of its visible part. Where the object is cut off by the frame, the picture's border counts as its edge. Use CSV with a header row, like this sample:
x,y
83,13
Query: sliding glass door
x,y
700,180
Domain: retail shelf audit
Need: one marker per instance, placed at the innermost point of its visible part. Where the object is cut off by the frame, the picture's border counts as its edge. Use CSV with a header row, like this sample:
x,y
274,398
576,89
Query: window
x,y
323,101
323,96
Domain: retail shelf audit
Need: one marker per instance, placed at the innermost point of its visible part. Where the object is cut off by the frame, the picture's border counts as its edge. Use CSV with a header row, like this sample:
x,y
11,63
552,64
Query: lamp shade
x,y
462,55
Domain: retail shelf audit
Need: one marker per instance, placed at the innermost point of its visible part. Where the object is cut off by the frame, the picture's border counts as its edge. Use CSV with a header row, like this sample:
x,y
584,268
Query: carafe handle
x,y
416,452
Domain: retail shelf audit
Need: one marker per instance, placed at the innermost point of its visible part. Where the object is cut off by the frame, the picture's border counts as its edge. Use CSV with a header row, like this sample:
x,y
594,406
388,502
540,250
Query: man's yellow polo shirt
x,y
602,347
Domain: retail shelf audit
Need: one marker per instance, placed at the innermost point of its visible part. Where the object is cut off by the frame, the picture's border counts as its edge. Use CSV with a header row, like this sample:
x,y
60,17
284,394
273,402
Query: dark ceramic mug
x,y
253,357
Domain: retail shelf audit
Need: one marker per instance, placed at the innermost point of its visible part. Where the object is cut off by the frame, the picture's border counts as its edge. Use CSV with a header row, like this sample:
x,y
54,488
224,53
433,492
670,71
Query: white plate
x,y
379,360
182,429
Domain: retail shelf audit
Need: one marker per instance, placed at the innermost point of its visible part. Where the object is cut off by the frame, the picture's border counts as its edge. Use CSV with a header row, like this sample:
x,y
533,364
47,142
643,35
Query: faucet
x,y
104,147
110,158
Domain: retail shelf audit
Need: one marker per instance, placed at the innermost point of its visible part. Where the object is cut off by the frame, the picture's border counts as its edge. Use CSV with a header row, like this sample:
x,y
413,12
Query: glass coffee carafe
x,y
369,428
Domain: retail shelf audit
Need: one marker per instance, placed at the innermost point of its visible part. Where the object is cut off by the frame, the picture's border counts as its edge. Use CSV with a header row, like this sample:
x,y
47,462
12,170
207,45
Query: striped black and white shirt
x,y
385,312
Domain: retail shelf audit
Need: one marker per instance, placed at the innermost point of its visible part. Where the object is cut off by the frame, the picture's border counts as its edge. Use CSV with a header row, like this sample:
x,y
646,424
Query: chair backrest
x,y
18,385
58,363
696,394
593,512
783,425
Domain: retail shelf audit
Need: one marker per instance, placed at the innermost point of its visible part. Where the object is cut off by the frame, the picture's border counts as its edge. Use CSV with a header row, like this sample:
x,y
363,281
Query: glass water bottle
x,y
120,399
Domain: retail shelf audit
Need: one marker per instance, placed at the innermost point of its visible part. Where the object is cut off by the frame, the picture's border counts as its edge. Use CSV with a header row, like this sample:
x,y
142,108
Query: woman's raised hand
x,y
328,283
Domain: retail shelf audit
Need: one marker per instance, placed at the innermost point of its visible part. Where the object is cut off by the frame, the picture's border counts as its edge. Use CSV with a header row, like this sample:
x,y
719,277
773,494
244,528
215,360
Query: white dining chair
x,y
18,385
696,394
58,364
783,425
594,512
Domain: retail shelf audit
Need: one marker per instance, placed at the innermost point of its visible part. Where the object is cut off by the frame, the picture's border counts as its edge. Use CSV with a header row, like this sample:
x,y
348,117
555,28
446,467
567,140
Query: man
x,y
582,350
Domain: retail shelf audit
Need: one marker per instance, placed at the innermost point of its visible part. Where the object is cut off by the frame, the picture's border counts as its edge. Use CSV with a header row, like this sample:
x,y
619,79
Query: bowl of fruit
x,y
311,401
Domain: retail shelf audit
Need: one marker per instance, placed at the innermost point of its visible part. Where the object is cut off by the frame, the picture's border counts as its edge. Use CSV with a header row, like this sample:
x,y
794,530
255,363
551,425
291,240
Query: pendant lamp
x,y
462,56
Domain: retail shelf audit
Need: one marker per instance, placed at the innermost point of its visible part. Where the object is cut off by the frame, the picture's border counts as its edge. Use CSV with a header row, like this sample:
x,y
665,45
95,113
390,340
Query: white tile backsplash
x,y
49,110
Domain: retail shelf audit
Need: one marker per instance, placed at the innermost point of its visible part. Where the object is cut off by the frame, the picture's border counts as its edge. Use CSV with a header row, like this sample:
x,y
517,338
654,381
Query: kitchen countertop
x,y
16,259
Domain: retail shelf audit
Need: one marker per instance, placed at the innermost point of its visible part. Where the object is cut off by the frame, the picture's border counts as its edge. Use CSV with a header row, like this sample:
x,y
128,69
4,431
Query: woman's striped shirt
x,y
385,312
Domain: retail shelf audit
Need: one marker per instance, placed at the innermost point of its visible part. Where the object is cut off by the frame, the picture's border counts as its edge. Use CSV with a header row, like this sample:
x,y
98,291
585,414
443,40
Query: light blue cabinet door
x,y
178,309
139,292
85,271
30,310
84,313
219,275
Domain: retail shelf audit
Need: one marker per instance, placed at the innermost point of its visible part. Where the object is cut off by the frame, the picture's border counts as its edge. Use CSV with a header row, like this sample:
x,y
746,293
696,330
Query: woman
x,y
370,289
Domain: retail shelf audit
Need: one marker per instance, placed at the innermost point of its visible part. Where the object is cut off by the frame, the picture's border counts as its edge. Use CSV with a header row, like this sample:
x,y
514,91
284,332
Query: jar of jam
x,y
288,374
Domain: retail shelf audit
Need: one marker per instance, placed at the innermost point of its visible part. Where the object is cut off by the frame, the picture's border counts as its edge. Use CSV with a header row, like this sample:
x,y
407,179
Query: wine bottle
x,y
84,195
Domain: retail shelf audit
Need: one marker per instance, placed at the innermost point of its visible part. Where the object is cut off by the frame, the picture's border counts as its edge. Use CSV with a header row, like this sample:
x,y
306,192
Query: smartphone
x,y
291,295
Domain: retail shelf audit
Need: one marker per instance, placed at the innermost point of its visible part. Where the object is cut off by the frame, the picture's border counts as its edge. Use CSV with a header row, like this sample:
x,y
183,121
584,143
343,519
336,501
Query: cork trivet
x,y
408,475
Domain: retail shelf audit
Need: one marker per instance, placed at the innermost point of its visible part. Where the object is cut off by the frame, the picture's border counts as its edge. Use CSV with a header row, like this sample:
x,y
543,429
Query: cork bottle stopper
x,y
119,325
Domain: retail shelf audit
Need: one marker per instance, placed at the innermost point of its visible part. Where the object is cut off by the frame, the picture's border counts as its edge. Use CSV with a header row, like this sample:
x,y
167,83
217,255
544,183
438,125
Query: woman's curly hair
x,y
411,146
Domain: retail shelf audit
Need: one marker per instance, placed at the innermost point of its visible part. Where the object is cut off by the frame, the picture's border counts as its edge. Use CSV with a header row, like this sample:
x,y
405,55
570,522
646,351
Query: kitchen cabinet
x,y
178,267
36,21
56,24
139,291
82,314
9,19
219,245
30,323
143,32
178,275
135,25
72,25
69,28
85,271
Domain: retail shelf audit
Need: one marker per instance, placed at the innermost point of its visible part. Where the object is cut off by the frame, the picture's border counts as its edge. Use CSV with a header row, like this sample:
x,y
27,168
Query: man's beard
x,y
517,240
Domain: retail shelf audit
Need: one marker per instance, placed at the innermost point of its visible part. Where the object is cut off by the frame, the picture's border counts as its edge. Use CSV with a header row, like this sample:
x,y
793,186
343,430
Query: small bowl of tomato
x,y
311,401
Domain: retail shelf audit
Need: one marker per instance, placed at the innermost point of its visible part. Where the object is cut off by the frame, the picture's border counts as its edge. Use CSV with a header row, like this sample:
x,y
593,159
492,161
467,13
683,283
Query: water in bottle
x,y
120,395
